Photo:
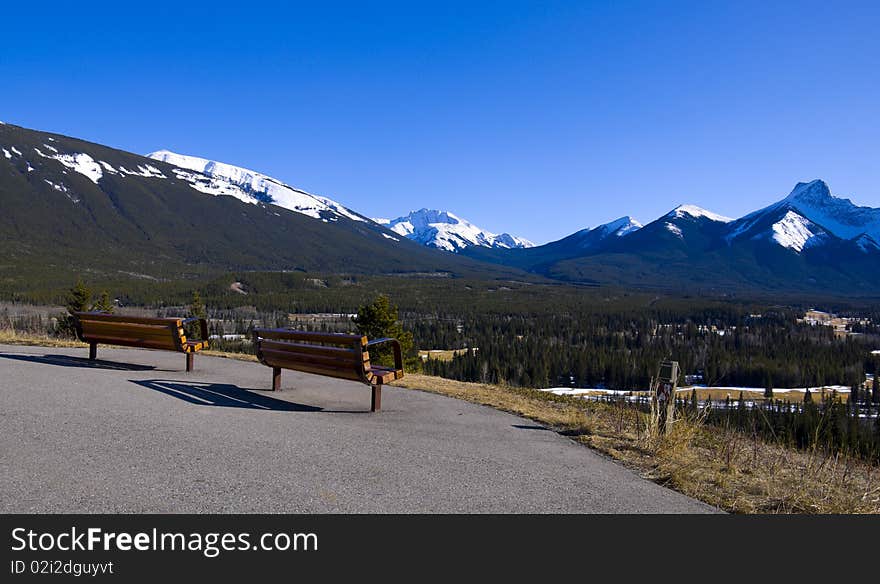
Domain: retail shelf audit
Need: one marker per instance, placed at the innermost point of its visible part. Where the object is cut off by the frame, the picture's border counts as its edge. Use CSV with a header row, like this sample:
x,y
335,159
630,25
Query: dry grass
x,y
441,354
725,468
9,337
236,356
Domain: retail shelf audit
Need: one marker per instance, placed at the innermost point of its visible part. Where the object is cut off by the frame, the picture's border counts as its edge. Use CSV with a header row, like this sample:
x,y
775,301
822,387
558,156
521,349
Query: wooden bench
x,y
133,331
330,354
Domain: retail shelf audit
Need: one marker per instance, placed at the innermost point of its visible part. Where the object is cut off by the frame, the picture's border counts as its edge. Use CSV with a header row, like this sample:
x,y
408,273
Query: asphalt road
x,y
134,433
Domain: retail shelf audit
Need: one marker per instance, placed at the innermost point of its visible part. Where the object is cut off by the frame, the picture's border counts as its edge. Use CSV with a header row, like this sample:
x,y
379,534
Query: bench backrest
x,y
134,331
330,354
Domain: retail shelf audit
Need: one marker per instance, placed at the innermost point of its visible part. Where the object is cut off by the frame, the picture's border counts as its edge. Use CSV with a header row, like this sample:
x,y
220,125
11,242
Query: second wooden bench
x,y
330,354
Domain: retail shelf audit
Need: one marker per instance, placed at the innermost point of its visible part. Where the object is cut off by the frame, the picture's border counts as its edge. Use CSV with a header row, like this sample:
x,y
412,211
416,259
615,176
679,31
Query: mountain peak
x,y
697,212
813,191
620,226
444,230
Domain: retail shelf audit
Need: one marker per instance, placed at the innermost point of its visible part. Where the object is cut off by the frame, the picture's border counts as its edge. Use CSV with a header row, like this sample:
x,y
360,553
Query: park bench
x,y
166,334
330,354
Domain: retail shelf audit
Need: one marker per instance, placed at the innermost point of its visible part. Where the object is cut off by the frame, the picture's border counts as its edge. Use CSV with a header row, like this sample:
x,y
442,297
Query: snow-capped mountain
x,y
74,207
449,232
619,227
694,212
588,238
808,240
810,216
218,178
81,206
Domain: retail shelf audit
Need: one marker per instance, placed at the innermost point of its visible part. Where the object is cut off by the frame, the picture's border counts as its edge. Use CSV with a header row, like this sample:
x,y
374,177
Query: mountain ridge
x,y
449,232
73,205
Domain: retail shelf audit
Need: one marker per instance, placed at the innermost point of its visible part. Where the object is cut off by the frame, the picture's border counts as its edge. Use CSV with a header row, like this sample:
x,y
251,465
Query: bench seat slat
x,y
354,355
128,342
114,318
110,338
312,337
136,331
351,374
270,356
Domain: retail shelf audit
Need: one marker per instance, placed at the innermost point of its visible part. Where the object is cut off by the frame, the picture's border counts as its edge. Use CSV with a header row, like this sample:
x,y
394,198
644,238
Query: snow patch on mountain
x,y
449,232
620,227
697,212
218,178
675,229
811,208
838,215
6,153
796,232
79,162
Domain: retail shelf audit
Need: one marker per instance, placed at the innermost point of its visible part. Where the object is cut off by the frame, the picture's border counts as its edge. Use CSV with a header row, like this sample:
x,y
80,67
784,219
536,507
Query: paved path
x,y
134,433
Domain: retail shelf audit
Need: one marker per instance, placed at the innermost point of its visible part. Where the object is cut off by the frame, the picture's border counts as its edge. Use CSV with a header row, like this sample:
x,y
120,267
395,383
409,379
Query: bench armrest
x,y
203,325
395,346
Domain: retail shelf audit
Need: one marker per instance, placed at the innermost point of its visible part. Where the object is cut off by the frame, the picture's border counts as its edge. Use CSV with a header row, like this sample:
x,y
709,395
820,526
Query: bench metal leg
x,y
93,351
276,379
376,402
189,362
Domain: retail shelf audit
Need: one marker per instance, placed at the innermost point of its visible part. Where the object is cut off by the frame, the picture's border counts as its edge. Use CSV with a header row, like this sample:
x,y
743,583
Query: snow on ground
x,y
392,238
588,391
733,390
6,153
15,150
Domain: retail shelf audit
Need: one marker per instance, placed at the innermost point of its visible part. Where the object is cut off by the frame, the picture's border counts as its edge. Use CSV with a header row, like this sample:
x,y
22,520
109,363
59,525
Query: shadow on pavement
x,y
67,361
532,427
221,394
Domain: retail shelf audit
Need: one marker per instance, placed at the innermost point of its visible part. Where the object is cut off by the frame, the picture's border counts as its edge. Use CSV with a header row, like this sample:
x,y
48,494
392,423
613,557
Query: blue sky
x,y
536,118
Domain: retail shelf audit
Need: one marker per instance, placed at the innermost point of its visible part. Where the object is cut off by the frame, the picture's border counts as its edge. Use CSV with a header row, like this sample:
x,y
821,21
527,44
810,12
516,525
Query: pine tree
x,y
80,298
196,310
104,304
378,320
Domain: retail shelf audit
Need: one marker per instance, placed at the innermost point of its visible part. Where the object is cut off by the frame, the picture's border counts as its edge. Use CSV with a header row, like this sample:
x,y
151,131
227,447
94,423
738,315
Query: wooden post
x,y
376,402
667,381
276,379
93,351
189,362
